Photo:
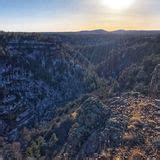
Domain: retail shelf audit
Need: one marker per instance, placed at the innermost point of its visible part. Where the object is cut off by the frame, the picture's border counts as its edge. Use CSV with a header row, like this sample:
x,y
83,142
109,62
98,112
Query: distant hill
x,y
99,31
141,32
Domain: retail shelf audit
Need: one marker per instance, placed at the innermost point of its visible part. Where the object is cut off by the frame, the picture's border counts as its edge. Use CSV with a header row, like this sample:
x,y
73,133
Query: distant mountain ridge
x,y
135,31
121,31
97,32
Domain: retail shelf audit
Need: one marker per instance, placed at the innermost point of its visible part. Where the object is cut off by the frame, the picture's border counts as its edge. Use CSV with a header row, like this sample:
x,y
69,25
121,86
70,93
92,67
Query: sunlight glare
x,y
118,4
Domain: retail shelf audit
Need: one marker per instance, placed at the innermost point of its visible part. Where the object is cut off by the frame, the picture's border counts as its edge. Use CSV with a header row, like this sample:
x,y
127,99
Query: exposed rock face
x,y
91,118
35,78
155,82
108,130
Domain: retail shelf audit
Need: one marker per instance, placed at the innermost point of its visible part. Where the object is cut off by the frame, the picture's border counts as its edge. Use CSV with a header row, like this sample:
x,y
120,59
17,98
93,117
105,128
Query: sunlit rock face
x,y
104,130
91,117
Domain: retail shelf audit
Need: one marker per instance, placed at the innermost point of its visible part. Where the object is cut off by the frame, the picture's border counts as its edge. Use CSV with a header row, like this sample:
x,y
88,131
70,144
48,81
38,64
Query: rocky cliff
x,y
36,77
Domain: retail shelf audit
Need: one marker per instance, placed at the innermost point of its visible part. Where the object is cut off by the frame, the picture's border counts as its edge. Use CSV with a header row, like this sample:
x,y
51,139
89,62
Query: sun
x,y
118,4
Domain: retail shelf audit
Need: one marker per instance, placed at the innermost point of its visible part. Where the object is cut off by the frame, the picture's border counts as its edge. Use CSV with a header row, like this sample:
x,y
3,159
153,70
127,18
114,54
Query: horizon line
x,y
87,30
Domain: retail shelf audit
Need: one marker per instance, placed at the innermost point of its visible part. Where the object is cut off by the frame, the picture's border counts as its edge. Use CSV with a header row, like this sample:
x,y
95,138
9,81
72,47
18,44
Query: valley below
x,y
79,96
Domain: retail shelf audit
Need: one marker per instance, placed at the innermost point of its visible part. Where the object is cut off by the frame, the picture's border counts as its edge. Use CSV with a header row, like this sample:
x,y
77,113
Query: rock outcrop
x,y
155,83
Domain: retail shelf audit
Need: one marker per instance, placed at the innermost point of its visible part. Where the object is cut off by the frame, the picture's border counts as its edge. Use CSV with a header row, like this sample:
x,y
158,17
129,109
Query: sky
x,y
75,15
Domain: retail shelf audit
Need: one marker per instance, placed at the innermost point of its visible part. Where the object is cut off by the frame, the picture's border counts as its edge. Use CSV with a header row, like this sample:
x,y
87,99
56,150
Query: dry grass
x,y
137,154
